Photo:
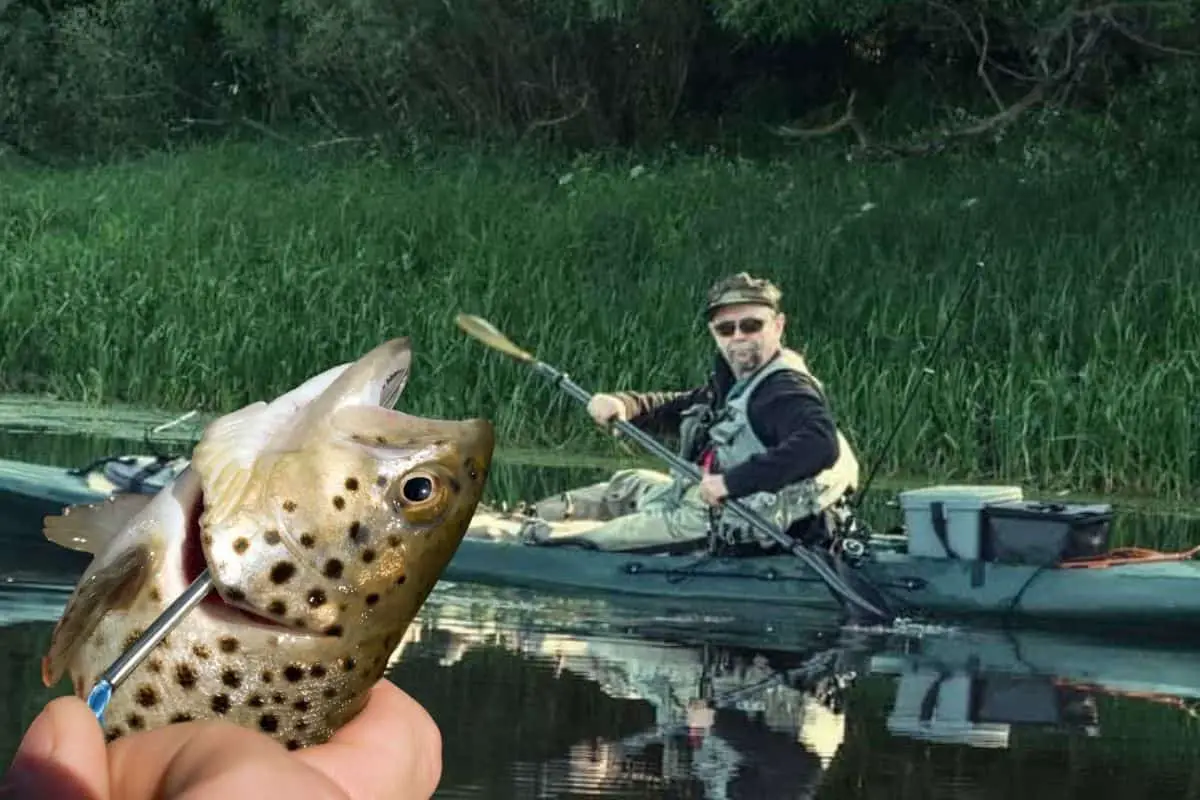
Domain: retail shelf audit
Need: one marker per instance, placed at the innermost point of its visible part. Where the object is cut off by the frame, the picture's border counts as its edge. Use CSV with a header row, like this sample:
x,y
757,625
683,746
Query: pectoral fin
x,y
88,528
113,586
226,454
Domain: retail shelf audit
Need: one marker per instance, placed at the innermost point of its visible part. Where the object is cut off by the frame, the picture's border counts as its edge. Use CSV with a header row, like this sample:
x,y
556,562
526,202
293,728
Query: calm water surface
x,y
546,697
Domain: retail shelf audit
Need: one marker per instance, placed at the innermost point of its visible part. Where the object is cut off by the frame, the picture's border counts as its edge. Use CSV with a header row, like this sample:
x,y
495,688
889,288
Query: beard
x,y
744,357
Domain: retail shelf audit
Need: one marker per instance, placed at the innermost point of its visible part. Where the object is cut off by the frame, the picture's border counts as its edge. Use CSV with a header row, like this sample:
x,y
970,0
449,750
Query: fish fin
x,y
224,457
113,586
89,527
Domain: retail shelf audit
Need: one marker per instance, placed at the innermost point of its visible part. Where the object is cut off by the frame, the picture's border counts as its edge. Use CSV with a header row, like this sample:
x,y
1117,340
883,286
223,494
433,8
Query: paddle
x,y
487,333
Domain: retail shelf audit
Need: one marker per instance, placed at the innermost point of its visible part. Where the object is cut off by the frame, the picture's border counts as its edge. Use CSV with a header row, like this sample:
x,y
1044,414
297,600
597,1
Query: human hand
x,y
606,407
392,749
712,489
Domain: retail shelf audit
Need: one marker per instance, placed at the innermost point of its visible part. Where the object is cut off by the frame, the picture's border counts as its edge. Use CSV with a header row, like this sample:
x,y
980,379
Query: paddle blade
x,y
486,332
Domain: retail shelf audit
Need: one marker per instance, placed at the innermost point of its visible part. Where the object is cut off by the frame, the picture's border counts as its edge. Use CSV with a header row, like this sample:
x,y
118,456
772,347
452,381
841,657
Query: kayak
x,y
1148,596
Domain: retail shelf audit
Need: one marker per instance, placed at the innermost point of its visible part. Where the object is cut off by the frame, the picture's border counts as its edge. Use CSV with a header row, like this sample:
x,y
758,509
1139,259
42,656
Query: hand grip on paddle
x,y
605,409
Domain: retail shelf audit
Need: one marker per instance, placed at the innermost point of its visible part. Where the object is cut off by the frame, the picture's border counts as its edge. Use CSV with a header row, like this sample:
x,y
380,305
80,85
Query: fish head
x,y
336,513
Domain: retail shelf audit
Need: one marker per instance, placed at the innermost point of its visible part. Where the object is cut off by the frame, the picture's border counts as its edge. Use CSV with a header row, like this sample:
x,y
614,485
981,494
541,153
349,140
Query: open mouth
x,y
195,563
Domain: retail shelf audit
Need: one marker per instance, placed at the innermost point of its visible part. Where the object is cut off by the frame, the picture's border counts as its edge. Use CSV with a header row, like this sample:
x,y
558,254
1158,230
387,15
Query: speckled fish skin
x,y
325,519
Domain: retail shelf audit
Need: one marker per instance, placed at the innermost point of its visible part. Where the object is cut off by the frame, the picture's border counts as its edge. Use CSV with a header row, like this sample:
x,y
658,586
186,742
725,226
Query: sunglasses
x,y
747,325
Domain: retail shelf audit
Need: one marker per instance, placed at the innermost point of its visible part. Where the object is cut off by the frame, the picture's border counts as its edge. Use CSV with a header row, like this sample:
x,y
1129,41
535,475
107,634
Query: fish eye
x,y
417,489
420,496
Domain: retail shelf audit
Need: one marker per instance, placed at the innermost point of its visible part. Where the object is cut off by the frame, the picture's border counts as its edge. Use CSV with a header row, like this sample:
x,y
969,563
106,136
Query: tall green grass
x,y
217,277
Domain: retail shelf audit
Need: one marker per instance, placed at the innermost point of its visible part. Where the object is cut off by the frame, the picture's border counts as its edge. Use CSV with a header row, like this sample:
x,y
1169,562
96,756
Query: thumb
x,y
62,755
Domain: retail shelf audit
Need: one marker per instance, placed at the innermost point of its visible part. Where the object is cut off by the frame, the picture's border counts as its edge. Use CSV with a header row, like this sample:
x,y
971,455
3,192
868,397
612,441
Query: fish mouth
x,y
194,563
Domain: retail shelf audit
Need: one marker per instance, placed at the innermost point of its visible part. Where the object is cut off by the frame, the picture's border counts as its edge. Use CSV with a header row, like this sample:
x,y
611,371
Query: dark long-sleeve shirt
x,y
787,413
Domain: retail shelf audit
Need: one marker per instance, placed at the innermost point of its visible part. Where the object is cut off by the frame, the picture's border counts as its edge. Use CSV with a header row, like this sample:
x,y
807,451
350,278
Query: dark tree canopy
x,y
881,77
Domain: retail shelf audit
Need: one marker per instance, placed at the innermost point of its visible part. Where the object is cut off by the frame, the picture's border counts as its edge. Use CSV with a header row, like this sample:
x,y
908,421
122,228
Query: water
x,y
542,696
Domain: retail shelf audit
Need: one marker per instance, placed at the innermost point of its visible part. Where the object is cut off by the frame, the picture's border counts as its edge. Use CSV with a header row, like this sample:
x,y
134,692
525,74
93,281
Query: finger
x,y
392,749
197,760
62,755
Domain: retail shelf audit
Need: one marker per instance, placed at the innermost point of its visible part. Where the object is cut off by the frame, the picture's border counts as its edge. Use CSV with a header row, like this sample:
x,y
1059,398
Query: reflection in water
x,y
540,697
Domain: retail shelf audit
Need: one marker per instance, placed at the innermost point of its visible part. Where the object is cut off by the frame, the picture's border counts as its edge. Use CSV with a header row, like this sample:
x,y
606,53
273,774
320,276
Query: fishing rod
x,y
912,394
482,330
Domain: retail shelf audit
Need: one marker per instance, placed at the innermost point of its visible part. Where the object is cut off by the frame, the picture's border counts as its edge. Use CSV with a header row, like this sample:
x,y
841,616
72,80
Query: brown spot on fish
x,y
372,599
112,734
301,724
394,540
154,665
267,676
228,644
282,572
255,701
181,718
381,481
307,540
329,692
289,506
400,581
277,608
357,534
352,484
292,744
231,678
136,721
277,698
317,671
381,440
316,597
221,703
241,545
147,697
333,630
333,568
155,594
300,705
206,538
269,723
348,664
293,673
185,676
200,651
235,595
271,537
368,555
133,636
338,502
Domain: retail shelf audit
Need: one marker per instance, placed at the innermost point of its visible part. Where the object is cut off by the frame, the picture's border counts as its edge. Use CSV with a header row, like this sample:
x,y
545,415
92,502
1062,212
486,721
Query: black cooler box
x,y
1041,533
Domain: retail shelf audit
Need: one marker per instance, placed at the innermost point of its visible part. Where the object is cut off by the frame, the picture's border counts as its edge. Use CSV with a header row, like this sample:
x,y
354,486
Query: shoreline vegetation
x,y
212,277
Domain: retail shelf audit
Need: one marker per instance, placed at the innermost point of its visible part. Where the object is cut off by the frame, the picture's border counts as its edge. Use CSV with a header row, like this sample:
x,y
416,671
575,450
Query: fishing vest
x,y
734,442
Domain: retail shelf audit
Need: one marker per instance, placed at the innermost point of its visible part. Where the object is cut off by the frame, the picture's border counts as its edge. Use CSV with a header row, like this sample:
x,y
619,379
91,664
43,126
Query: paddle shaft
x,y
827,574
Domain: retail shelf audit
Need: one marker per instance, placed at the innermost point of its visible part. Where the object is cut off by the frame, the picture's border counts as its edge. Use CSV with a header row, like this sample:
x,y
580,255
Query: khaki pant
x,y
635,508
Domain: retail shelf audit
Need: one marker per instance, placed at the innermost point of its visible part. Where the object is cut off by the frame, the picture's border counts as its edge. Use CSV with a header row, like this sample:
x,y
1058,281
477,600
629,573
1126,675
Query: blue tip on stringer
x,y
98,700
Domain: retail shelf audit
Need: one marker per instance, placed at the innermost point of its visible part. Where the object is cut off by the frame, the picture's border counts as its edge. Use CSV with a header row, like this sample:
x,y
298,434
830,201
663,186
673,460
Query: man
x,y
760,427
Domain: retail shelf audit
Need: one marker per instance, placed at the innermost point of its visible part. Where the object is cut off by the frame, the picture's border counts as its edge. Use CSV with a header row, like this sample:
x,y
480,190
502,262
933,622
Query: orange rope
x,y
1127,555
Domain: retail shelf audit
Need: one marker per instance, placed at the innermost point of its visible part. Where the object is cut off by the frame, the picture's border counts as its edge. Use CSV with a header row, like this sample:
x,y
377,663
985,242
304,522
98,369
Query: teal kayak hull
x,y
1162,595
1151,599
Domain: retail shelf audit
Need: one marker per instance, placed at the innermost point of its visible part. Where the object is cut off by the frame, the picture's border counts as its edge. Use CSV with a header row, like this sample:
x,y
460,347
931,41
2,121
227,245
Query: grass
x,y
212,278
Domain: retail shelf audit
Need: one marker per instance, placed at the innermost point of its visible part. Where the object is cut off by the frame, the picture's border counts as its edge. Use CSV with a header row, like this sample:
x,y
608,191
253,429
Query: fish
x,y
325,518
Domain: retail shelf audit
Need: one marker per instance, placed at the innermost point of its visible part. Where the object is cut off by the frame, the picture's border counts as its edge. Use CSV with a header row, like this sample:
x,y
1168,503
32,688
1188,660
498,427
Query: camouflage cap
x,y
742,288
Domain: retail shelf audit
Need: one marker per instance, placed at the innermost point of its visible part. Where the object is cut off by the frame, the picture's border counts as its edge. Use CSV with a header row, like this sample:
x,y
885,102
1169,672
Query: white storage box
x,y
961,506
